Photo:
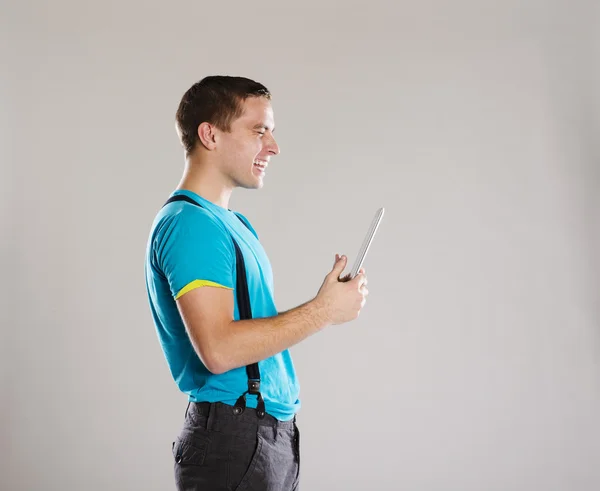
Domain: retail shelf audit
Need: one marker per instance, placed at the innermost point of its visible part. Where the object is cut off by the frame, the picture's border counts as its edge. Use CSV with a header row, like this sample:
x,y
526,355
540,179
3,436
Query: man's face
x,y
247,148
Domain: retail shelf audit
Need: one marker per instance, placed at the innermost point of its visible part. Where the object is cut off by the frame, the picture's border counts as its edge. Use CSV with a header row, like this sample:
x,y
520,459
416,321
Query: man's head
x,y
230,121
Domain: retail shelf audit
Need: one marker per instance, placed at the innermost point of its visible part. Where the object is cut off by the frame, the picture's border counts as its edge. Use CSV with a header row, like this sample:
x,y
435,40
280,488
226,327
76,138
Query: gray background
x,y
476,362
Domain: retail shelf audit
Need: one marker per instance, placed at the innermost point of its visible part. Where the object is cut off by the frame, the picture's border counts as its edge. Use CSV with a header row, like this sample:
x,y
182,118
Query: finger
x,y
363,279
359,279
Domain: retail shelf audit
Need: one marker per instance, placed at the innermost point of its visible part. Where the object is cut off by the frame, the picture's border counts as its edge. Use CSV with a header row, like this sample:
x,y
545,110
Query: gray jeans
x,y
217,450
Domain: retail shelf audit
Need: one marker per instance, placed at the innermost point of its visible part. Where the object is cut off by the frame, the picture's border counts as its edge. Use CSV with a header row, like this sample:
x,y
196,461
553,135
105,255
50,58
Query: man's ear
x,y
207,135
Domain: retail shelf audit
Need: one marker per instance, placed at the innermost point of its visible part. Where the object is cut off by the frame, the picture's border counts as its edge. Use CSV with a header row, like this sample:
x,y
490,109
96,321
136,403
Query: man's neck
x,y
206,181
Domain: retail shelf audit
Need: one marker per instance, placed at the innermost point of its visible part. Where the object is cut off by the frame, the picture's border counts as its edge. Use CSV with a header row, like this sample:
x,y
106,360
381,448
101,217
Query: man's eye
x,y
261,133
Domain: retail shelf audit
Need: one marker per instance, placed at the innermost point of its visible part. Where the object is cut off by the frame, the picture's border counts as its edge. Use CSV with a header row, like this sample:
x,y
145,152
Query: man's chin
x,y
255,185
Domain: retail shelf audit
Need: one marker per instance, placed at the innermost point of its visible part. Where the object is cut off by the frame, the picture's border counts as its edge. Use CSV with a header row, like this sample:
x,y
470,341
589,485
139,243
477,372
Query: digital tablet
x,y
362,253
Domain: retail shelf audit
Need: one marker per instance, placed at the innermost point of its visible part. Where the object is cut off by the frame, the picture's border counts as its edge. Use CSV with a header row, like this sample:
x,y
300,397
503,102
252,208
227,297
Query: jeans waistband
x,y
219,416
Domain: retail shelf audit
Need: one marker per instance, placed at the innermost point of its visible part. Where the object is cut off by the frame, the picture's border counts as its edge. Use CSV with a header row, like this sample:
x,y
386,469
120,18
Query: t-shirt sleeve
x,y
194,250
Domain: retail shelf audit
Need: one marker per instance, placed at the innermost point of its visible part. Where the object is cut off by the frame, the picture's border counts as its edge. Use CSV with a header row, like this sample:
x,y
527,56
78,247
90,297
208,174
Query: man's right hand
x,y
342,301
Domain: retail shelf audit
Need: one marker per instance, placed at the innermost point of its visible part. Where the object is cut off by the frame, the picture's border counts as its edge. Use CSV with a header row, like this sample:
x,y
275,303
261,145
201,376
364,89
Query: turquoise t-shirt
x,y
190,247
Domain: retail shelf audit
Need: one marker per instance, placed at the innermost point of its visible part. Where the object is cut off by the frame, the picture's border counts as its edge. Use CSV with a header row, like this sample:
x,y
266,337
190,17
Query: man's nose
x,y
273,147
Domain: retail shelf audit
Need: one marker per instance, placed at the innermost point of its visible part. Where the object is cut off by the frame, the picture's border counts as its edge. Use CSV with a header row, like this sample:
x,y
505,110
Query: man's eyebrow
x,y
261,126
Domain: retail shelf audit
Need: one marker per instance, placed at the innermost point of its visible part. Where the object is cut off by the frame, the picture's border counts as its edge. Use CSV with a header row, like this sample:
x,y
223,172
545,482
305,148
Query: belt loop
x,y
187,409
210,417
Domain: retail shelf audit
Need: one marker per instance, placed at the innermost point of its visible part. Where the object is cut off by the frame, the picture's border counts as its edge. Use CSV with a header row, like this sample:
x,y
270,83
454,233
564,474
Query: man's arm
x,y
223,344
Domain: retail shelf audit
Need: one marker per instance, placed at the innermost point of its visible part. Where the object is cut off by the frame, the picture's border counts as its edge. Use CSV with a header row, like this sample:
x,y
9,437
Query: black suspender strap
x,y
245,309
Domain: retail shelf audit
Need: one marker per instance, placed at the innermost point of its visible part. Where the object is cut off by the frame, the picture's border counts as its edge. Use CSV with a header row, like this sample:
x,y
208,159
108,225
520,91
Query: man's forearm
x,y
248,341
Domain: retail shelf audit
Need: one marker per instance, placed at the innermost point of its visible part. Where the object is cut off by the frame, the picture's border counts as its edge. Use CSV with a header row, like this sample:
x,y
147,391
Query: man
x,y
210,287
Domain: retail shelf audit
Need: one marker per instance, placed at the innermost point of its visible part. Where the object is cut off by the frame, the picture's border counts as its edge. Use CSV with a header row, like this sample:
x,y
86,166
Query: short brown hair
x,y
217,100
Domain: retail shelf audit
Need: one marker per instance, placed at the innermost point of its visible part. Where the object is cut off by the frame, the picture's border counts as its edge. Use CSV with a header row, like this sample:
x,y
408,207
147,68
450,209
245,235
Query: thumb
x,y
339,266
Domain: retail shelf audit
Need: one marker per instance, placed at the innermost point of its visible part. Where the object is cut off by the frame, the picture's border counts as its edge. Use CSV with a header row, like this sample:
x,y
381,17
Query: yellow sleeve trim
x,y
197,284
